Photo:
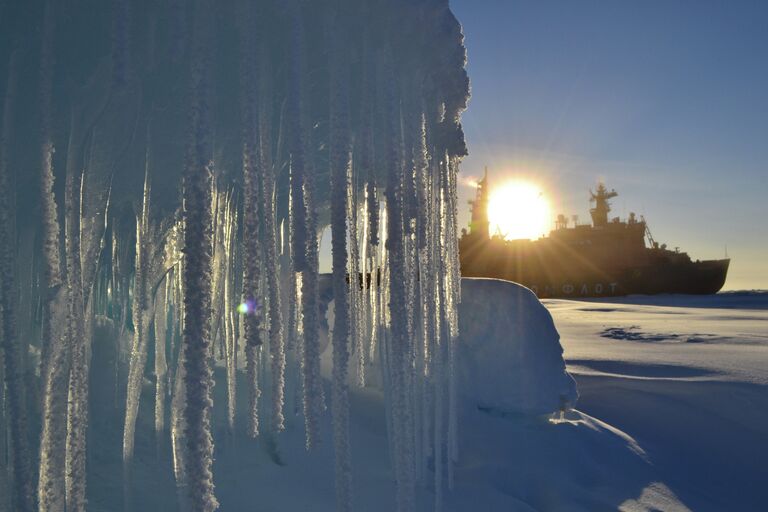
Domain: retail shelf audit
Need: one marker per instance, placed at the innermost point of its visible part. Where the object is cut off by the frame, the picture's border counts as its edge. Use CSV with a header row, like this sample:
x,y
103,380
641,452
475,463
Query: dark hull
x,y
574,277
695,278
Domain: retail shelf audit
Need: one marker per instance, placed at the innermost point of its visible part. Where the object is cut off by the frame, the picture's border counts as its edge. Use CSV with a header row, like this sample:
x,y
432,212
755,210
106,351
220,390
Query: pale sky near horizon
x,y
666,101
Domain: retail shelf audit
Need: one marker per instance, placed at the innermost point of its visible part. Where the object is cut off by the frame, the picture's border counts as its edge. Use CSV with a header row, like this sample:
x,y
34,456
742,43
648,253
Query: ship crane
x,y
653,243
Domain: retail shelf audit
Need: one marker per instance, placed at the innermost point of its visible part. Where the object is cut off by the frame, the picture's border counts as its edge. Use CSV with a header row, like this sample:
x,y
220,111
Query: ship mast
x,y
479,224
600,212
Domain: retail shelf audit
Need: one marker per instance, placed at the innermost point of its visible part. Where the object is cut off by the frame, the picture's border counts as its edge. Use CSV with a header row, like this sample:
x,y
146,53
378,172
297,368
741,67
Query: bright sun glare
x,y
518,210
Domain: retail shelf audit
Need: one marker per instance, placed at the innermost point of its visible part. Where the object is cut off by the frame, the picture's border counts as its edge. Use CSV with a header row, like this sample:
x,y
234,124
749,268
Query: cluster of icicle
x,y
363,137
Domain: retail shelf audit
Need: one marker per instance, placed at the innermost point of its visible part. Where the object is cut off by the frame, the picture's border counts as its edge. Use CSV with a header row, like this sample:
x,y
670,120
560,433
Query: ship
x,y
609,257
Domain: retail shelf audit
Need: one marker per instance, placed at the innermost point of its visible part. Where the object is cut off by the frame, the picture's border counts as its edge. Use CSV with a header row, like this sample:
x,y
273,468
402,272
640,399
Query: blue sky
x,y
667,101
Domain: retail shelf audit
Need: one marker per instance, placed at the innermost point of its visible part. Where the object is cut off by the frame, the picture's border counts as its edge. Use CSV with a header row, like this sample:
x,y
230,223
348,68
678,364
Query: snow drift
x,y
510,357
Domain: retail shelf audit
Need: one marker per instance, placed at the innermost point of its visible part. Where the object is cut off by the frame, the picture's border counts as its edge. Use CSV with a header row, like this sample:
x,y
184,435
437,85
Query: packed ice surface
x,y
687,378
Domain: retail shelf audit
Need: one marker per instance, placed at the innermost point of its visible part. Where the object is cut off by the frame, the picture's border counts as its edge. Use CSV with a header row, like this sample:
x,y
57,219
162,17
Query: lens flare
x,y
248,307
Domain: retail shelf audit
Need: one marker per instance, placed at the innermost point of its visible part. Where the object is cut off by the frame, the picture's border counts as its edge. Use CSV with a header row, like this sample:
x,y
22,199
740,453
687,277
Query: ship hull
x,y
575,277
694,278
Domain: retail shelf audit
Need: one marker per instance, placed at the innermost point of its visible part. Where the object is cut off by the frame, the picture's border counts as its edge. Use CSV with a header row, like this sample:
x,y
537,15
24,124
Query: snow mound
x,y
509,353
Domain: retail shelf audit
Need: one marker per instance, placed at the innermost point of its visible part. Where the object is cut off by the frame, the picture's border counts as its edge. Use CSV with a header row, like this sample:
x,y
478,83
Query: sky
x,y
665,101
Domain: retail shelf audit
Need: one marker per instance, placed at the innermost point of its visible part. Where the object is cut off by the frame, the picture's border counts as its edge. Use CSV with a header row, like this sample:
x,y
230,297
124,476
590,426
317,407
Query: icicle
x,y
253,355
51,243
13,347
276,340
398,305
250,293
423,304
178,428
373,213
95,196
77,410
222,311
438,429
142,315
297,336
452,148
438,346
421,170
294,329
356,282
55,360
305,234
427,308
296,144
364,329
292,291
410,141
448,144
119,305
251,211
6,494
312,385
161,367
339,170
364,169
198,378
381,297
228,315
455,294
85,226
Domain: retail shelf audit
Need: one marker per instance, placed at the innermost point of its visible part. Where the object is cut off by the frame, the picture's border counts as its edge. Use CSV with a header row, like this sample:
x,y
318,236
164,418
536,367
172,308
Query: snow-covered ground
x,y
687,379
672,415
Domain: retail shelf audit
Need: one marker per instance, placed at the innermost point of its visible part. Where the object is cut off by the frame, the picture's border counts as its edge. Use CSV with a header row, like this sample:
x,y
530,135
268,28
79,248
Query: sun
x,y
518,210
